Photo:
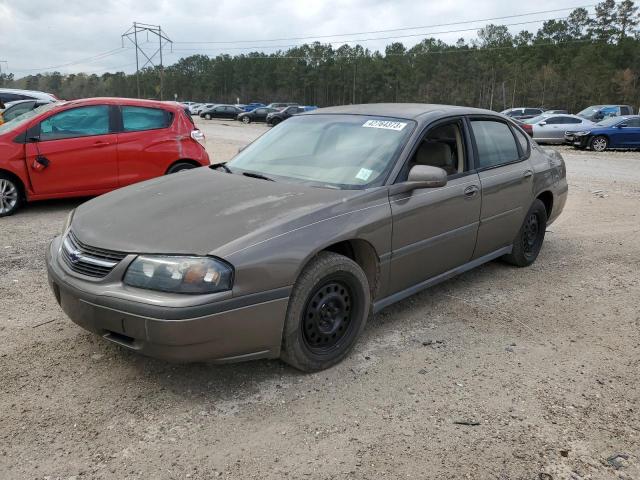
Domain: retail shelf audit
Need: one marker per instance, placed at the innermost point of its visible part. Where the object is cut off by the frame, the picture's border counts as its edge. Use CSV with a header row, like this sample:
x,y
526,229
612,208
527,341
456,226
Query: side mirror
x,y
421,176
621,125
542,124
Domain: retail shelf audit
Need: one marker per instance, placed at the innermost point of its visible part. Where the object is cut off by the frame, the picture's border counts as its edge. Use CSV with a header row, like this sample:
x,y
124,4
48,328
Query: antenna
x,y
163,41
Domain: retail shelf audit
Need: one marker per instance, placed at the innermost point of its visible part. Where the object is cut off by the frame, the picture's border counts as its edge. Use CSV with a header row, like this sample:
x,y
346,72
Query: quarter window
x,y
522,140
495,143
136,119
77,122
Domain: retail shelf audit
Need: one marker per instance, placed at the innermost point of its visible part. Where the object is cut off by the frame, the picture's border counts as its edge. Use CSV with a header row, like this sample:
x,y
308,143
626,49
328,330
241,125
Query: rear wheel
x,y
246,119
180,166
599,143
11,196
327,311
528,243
275,121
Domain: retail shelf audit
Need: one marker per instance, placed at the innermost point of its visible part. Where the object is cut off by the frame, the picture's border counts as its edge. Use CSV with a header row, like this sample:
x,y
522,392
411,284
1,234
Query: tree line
x,y
567,63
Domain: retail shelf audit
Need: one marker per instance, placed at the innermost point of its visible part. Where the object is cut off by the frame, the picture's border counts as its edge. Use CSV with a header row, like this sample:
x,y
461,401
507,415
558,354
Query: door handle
x,y
101,144
527,173
471,191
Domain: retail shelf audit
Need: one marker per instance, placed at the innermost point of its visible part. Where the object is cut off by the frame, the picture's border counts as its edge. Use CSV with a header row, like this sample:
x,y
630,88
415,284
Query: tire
x,y
528,242
599,143
179,167
207,116
327,312
11,195
246,119
275,121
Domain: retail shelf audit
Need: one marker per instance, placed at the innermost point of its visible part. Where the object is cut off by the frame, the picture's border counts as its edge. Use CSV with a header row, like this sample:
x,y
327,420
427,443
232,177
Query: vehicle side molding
x,y
396,297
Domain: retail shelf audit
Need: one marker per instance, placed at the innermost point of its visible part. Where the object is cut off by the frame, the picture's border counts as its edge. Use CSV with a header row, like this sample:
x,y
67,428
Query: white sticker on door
x,y
386,124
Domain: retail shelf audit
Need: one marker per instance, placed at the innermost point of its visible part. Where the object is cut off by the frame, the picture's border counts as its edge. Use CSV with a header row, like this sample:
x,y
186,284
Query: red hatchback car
x,y
91,146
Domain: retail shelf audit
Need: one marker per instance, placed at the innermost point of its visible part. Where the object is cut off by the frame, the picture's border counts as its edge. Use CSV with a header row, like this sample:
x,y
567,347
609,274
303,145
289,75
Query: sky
x,y
73,36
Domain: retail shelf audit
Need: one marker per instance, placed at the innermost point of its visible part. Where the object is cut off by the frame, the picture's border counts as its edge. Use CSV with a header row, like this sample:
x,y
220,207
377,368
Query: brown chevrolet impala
x,y
288,248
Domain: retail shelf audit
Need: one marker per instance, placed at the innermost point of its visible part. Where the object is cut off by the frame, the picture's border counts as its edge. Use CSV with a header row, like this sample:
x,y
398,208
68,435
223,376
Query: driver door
x,y
435,229
73,151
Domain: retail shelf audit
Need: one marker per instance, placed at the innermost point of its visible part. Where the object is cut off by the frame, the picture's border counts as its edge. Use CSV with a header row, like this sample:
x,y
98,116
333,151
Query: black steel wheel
x,y
328,310
327,316
528,243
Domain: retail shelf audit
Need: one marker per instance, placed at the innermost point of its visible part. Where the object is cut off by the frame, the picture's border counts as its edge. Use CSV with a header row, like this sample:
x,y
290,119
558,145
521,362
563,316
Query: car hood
x,y
202,211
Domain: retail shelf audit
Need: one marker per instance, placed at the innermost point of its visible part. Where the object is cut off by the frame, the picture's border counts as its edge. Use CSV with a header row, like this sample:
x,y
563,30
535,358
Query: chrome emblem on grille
x,y
74,256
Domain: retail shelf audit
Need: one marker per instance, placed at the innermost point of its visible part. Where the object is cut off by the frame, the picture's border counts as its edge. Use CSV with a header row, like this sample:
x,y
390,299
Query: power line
x,y
93,58
362,40
386,31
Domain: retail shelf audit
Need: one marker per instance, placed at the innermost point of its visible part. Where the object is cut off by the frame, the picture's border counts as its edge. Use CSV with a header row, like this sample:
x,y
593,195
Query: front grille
x,y
87,260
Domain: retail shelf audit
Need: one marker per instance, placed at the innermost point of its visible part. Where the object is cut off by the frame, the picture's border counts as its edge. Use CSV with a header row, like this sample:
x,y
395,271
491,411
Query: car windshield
x,y
611,121
334,151
24,118
590,110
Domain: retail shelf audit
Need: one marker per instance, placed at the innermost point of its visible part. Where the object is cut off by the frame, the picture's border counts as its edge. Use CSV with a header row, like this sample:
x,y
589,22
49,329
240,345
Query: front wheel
x,y
11,198
599,143
528,242
246,119
327,311
207,116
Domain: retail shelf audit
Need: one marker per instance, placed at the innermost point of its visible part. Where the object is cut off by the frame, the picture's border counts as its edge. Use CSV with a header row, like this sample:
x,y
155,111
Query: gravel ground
x,y
500,373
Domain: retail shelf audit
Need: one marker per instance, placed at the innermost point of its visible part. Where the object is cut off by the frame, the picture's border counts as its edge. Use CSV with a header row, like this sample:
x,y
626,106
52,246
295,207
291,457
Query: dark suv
x,y
275,118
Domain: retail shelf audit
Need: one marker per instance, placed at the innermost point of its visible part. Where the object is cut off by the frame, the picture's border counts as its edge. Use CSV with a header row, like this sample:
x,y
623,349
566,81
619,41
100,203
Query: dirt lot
x,y
543,362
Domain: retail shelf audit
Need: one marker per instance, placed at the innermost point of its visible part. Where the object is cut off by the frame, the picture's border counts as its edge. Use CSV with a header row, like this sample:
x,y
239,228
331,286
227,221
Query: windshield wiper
x,y
222,165
257,175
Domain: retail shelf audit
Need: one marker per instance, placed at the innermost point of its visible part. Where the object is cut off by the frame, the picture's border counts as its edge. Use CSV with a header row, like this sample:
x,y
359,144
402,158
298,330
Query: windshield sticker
x,y
364,174
386,124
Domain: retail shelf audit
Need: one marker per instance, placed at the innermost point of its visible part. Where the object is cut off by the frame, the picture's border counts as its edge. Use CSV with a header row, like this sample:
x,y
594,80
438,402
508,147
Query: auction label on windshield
x,y
386,124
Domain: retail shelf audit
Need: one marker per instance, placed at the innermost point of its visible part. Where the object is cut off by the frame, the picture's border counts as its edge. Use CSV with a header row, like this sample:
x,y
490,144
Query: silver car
x,y
551,128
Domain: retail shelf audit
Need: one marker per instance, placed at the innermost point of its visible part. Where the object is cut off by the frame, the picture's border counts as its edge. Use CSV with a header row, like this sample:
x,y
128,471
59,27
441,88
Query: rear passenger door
x,y
630,133
506,179
146,147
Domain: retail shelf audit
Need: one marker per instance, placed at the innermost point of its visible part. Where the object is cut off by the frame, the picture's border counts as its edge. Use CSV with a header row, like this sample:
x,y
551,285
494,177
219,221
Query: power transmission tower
x,y
133,35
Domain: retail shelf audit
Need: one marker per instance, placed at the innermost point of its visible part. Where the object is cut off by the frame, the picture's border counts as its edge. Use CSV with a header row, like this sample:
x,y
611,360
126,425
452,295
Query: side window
x,y
261,111
633,123
624,110
77,122
495,143
572,120
609,111
532,111
135,119
10,97
522,140
18,110
554,120
443,147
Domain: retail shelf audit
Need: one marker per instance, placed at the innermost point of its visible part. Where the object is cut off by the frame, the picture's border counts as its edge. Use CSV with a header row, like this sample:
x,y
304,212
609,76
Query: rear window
x,y
135,119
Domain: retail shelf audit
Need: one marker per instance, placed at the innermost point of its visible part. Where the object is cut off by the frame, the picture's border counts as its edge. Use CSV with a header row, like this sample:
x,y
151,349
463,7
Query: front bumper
x,y
227,330
576,140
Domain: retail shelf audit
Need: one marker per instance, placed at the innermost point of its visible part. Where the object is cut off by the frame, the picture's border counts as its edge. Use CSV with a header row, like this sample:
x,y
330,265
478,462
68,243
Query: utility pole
x,y
163,41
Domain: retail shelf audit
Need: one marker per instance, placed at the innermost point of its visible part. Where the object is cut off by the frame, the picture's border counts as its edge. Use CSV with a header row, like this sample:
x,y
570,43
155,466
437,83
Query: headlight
x,y
67,222
178,274
584,132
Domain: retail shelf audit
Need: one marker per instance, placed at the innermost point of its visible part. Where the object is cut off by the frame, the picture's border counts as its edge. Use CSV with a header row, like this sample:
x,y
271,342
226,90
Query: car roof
x,y
411,111
134,102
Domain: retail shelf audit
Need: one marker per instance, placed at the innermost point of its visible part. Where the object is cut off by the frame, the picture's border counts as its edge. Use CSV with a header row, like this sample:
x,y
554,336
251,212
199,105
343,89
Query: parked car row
x,y
613,132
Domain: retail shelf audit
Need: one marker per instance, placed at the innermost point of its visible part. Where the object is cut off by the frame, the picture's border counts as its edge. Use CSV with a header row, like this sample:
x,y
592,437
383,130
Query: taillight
x,y
198,136
527,128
